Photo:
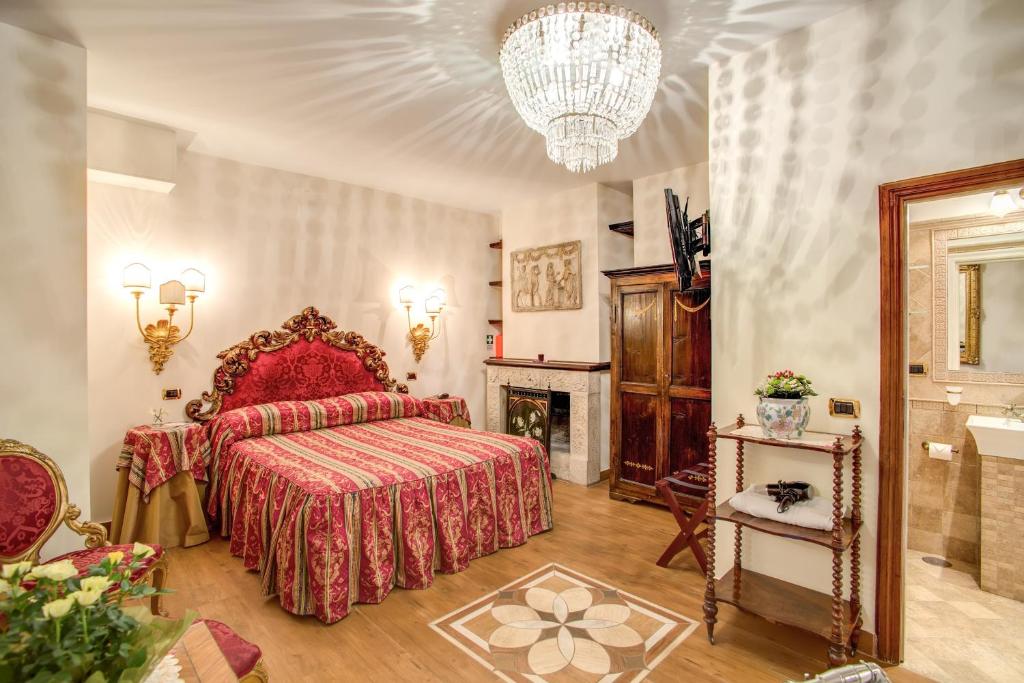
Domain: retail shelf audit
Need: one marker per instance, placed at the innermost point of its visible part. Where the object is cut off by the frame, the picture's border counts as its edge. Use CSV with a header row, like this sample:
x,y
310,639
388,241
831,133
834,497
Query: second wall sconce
x,y
420,335
162,336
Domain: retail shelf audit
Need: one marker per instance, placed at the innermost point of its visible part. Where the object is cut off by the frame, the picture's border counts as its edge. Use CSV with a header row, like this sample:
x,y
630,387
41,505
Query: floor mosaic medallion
x,y
558,625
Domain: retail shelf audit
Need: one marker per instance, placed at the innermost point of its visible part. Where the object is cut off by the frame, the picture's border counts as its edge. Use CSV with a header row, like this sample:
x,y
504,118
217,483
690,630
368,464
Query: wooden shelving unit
x,y
495,322
776,600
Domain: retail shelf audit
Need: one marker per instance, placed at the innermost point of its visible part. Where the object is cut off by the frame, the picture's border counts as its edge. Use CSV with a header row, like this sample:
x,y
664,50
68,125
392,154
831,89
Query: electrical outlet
x,y
918,369
410,376
172,394
844,407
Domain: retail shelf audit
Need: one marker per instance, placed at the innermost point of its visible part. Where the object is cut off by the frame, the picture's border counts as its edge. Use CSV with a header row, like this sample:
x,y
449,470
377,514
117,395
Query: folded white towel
x,y
815,513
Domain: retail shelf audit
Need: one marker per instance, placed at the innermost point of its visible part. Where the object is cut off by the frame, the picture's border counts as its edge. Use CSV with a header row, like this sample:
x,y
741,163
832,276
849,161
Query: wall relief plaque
x,y
547,278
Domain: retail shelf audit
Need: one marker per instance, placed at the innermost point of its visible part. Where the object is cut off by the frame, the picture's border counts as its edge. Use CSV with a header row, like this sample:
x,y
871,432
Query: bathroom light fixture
x,y
420,335
163,335
583,75
1002,203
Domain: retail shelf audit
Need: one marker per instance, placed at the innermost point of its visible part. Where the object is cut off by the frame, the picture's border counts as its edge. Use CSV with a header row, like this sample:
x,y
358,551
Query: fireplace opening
x,y
540,414
559,420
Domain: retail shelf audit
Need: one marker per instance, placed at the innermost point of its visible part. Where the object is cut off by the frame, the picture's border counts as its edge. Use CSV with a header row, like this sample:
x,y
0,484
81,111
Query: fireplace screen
x,y
529,413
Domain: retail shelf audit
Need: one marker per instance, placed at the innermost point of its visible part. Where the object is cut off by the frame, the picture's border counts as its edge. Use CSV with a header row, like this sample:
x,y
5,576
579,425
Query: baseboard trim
x,y
605,474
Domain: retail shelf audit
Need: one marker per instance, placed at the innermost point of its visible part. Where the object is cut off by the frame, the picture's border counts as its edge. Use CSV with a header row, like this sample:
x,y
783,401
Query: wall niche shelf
x,y
495,245
830,616
624,228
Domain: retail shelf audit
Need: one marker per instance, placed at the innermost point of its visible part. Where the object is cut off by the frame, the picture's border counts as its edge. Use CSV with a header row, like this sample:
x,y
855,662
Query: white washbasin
x,y
999,436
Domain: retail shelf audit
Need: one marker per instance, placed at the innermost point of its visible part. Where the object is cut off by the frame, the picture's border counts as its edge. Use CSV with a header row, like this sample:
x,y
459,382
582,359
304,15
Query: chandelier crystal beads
x,y
582,74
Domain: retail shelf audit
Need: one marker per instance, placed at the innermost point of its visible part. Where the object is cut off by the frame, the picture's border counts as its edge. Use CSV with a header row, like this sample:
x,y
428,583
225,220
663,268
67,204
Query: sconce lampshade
x,y
136,277
433,305
406,295
172,293
441,296
194,281
1002,203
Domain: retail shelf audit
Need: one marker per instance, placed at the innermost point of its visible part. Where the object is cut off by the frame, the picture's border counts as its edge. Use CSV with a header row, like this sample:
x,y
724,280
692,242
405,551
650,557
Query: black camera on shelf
x,y
785,493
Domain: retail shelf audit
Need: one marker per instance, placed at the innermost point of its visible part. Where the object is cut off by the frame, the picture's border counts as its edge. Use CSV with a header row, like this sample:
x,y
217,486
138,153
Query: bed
x,y
336,485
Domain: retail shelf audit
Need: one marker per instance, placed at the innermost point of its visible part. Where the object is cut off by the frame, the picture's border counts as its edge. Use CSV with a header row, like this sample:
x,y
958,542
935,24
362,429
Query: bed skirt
x,y
323,553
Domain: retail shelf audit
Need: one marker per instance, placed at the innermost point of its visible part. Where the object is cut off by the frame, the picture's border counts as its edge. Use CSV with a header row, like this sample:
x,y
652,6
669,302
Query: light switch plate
x,y
172,394
844,407
410,376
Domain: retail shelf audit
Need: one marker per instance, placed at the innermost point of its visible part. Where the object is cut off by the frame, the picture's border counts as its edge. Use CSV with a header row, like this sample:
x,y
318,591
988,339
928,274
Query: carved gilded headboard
x,y
306,359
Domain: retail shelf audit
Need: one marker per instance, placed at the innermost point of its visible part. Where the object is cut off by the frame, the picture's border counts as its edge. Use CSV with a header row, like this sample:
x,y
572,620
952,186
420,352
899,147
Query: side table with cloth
x,y
160,485
447,409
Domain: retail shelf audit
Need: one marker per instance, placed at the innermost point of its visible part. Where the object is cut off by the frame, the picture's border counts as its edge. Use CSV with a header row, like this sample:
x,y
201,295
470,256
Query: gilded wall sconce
x,y
420,335
163,335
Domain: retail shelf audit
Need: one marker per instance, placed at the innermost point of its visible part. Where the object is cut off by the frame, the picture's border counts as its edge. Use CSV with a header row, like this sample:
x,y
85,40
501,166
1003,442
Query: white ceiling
x,y
402,95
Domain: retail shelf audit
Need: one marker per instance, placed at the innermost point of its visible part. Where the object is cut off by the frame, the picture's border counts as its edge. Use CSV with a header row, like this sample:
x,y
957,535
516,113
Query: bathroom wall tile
x,y
926,518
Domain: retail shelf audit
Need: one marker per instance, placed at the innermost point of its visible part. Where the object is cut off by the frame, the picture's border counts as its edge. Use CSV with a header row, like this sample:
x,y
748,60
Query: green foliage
x,y
58,627
786,384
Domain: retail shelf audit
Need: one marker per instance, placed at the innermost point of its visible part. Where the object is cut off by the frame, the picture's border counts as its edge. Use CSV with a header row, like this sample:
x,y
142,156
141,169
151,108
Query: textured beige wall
x,y
649,222
803,130
42,260
271,243
579,214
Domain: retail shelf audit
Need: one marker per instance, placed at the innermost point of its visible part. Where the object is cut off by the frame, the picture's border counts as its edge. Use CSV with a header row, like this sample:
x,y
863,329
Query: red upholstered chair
x,y
34,502
244,658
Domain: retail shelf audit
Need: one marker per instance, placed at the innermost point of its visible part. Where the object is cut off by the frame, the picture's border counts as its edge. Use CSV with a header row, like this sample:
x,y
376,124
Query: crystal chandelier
x,y
583,75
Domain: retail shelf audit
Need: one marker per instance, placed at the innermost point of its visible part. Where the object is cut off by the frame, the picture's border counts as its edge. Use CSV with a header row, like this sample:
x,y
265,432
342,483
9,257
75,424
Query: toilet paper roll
x,y
940,451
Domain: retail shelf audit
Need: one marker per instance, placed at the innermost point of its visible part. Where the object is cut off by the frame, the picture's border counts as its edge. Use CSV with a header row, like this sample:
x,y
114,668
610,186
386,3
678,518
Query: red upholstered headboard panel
x,y
304,360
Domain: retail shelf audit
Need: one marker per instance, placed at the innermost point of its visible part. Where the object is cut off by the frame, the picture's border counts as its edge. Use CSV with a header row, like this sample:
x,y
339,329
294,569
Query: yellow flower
x,y
55,609
142,550
96,583
85,598
55,571
116,556
10,570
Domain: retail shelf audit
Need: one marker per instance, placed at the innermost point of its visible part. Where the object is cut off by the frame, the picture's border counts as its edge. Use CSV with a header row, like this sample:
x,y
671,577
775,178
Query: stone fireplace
x,y
575,409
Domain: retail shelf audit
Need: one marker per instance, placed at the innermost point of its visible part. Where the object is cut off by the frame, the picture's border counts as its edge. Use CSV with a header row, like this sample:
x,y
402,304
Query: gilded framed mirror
x,y
970,313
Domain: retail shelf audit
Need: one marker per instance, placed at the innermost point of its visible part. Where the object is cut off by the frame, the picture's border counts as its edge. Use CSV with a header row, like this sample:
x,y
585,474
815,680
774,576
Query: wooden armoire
x,y
660,378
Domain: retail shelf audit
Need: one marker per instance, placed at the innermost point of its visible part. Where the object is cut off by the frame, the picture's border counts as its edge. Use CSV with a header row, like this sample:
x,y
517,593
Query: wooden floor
x,y
605,539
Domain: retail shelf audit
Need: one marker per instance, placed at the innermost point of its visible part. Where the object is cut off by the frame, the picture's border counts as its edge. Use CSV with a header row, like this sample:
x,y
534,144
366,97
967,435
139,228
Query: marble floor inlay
x,y
556,624
957,632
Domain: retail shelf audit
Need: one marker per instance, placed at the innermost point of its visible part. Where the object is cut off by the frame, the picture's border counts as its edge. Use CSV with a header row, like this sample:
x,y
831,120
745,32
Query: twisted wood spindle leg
x,y
737,559
855,606
837,646
710,606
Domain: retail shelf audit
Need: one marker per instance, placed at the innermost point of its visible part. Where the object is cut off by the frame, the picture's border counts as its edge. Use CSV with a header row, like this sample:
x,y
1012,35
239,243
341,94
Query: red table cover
x,y
155,453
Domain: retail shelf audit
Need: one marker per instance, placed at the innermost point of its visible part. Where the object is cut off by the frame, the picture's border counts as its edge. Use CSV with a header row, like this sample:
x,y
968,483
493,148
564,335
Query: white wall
x,y
271,243
650,225
42,259
579,214
803,130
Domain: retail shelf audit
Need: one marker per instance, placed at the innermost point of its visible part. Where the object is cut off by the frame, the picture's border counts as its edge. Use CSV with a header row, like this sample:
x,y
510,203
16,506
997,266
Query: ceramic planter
x,y
783,418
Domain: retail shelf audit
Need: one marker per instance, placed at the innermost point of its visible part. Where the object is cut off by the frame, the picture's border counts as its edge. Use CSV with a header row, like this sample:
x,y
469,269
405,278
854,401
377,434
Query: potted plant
x,y
782,410
58,626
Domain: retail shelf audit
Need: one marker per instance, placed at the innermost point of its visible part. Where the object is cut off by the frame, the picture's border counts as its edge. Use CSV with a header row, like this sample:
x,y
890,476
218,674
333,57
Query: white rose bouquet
x,y
58,626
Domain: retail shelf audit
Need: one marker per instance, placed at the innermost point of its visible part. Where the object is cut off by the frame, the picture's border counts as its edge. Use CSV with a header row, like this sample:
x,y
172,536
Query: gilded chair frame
x,y
68,513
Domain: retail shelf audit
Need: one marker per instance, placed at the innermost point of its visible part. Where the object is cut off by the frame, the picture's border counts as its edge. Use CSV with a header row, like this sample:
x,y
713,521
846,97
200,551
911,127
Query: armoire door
x,y
688,407
637,342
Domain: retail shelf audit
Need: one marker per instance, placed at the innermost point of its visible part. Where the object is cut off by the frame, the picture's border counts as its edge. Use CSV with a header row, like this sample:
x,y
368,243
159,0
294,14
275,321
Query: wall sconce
x,y
420,335
173,293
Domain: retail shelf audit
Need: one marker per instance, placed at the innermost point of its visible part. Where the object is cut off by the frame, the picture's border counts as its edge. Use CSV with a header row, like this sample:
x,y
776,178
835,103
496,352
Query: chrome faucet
x,y
1013,412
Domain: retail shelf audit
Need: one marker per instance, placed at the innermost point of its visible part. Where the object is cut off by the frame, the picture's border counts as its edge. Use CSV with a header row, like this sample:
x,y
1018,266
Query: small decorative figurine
x,y
158,415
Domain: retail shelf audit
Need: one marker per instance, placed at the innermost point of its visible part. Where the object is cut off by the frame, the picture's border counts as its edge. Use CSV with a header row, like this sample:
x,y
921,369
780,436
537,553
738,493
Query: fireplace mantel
x,y
577,366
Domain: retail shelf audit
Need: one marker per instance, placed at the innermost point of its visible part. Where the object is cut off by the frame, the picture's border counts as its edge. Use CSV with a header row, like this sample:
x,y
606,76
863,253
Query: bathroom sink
x,y
999,436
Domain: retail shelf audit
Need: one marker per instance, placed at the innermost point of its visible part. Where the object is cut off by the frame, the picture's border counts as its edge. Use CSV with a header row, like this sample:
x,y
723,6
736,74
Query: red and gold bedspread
x,y
336,501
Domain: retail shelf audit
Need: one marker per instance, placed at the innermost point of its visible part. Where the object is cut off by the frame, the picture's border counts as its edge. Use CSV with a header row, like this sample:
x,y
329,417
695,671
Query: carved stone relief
x,y
547,278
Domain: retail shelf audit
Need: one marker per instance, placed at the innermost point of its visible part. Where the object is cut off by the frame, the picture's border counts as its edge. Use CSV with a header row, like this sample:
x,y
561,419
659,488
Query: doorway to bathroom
x,y
952,250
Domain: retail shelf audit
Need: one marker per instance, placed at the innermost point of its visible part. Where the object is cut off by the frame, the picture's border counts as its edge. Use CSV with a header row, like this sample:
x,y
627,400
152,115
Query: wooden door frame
x,y
892,205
